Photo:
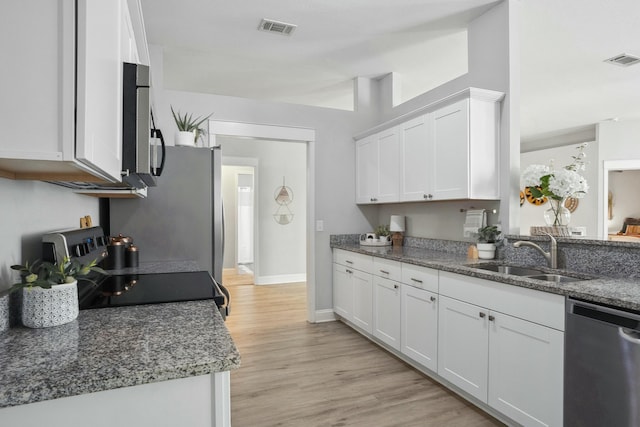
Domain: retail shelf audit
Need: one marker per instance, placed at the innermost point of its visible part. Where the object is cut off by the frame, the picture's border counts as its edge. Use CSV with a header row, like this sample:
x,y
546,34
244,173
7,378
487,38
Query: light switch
x,y
319,225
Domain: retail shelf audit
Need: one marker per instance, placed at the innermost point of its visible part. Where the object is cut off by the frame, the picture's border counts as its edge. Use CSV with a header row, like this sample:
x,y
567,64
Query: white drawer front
x,y
387,268
420,277
529,304
353,260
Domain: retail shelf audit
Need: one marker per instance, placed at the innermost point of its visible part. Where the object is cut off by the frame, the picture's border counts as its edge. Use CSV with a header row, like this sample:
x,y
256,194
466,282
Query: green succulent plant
x,y
489,234
186,123
45,274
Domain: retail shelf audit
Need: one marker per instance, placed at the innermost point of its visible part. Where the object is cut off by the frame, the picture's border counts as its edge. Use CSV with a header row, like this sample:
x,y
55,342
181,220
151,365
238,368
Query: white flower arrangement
x,y
558,184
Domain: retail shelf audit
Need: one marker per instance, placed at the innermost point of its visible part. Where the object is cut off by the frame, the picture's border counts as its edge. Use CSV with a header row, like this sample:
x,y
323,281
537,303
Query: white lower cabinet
x,y
386,311
512,364
343,291
362,300
419,326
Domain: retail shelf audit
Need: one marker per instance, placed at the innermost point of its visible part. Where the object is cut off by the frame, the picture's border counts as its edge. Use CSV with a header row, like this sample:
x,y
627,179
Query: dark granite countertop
x,y
624,293
114,347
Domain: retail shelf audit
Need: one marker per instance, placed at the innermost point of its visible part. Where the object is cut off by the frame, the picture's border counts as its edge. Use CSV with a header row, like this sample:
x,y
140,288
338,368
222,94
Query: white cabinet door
x,y
386,311
450,138
343,291
388,166
463,346
99,95
419,326
416,160
367,170
526,370
363,300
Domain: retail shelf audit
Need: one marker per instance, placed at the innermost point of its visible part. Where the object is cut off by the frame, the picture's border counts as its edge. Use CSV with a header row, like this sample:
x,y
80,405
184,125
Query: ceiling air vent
x,y
276,27
623,60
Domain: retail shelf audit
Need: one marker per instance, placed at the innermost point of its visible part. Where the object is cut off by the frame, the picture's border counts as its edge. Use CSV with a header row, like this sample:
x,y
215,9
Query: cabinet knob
x,y
348,262
482,315
384,272
349,271
416,280
430,196
433,299
426,196
491,318
395,286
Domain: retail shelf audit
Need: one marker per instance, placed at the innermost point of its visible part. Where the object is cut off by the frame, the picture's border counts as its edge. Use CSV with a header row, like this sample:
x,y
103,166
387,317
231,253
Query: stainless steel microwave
x,y
140,165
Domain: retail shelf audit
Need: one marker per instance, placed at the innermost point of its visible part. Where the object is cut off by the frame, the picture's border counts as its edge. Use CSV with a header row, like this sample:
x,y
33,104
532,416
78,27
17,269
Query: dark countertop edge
x,y
591,288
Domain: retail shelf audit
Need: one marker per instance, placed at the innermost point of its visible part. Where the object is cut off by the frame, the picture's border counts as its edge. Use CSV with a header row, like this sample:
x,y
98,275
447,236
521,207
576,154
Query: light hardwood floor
x,y
298,374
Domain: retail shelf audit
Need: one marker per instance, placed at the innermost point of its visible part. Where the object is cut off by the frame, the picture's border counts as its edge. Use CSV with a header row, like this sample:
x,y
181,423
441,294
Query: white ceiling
x,y
213,46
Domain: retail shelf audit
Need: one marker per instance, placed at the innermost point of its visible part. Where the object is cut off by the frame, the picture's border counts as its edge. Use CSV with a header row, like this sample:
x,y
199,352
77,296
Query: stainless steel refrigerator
x,y
181,218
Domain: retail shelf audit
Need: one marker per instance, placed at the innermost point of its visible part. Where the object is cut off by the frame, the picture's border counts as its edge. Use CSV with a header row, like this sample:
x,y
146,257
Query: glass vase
x,y
557,214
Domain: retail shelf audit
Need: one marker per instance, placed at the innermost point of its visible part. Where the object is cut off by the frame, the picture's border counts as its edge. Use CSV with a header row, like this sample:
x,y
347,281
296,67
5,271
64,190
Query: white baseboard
x,y
326,315
282,278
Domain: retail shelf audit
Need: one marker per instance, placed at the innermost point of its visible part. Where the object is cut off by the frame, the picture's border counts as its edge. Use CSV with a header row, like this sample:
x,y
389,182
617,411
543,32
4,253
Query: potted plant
x,y
383,233
488,237
50,291
189,130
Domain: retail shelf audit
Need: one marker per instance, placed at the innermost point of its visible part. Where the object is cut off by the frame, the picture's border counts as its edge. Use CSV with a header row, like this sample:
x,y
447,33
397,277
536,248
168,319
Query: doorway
x,y
292,134
238,193
620,181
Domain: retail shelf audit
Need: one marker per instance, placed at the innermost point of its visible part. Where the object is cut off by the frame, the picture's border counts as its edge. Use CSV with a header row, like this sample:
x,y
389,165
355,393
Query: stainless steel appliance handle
x,y
629,335
618,317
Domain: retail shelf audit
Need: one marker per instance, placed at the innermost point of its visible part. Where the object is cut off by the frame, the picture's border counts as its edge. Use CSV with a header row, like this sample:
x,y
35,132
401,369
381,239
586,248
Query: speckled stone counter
x,y
114,347
618,292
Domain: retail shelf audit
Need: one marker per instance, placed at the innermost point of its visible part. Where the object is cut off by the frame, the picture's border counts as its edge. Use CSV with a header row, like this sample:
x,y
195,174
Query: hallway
x,y
298,374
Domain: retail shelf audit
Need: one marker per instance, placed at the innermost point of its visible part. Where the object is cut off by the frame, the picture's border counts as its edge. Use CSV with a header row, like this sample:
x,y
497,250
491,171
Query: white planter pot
x,y
42,308
187,139
486,250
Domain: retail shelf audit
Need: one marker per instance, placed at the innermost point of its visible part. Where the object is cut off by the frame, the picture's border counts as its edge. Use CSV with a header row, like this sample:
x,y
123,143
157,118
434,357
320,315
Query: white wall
x,y
281,250
585,213
28,209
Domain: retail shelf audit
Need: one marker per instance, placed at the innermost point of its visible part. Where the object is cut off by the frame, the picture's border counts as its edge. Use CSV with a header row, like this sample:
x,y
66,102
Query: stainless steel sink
x,y
509,269
530,273
557,278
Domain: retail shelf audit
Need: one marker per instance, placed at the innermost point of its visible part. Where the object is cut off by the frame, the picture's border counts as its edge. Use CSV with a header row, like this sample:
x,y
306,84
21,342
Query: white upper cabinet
x,y
377,168
416,155
99,93
447,151
62,89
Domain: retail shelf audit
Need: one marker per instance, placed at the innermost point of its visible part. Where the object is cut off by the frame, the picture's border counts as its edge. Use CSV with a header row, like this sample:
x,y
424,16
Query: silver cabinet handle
x,y
416,280
430,196
491,318
384,272
349,271
349,262
425,196
433,299
482,315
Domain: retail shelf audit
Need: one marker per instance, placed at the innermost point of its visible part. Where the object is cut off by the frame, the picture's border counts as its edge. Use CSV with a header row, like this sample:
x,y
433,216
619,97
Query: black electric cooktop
x,y
138,289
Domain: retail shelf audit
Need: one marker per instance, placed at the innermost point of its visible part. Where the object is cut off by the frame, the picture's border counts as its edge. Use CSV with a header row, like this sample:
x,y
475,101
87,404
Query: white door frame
x,y
290,134
608,166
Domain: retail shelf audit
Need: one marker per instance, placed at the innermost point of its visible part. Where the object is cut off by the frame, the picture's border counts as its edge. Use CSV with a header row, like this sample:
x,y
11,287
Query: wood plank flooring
x,y
298,374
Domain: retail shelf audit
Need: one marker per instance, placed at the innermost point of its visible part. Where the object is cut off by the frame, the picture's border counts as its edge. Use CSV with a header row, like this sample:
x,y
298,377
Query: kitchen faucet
x,y
551,256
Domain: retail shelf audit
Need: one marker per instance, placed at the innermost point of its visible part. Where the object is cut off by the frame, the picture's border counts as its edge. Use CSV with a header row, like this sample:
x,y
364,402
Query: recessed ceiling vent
x,y
623,60
278,27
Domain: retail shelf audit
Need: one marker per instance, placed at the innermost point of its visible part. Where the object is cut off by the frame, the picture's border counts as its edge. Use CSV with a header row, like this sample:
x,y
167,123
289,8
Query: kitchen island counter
x,y
112,348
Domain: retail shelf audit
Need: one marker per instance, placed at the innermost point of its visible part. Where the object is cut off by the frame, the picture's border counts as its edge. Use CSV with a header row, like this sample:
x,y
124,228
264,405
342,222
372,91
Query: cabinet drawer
x,y
420,277
387,268
353,260
529,304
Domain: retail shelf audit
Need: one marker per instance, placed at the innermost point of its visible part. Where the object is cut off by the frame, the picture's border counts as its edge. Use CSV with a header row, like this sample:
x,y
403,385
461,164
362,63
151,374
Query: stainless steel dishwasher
x,y
602,366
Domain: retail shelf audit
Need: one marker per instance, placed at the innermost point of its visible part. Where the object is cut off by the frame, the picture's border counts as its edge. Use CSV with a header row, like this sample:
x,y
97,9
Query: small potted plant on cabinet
x,y
488,238
50,291
383,233
189,128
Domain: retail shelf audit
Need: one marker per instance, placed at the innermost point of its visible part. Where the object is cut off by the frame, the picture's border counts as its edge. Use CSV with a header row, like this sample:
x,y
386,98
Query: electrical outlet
x,y
319,225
